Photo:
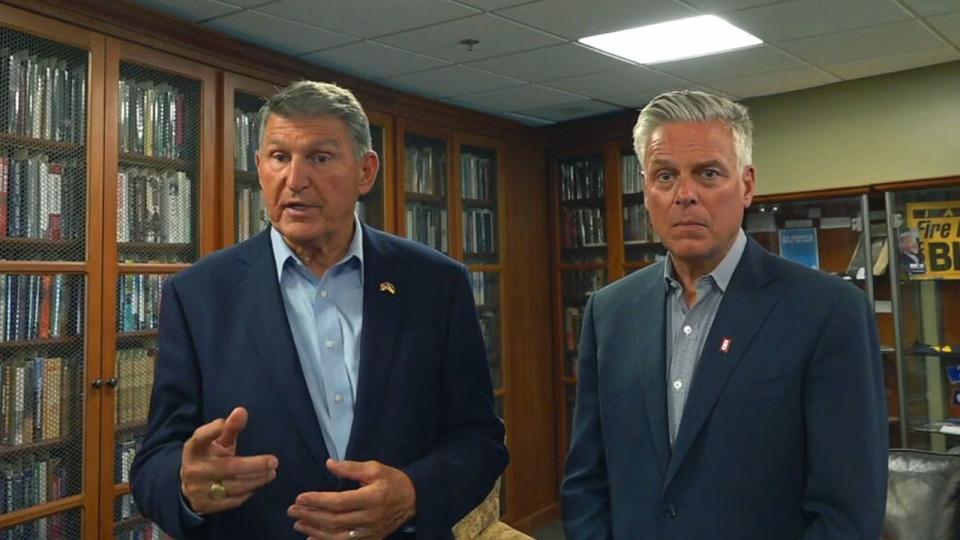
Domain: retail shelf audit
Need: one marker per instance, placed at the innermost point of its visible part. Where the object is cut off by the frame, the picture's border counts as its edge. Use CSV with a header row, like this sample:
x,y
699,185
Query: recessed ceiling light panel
x,y
673,40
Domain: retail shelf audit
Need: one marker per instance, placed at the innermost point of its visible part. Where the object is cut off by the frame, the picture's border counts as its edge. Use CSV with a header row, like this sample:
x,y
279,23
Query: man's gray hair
x,y
695,106
311,98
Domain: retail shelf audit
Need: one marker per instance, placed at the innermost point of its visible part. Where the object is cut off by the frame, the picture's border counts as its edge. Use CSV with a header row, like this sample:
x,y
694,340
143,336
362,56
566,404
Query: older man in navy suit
x,y
724,393
321,379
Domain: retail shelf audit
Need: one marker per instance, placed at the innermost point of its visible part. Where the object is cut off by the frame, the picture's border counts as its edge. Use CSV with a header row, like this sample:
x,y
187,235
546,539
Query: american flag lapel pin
x,y
386,286
726,345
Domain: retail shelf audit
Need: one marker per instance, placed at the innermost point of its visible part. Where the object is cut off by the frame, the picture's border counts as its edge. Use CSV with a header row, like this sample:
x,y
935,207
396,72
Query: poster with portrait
x,y
800,246
930,243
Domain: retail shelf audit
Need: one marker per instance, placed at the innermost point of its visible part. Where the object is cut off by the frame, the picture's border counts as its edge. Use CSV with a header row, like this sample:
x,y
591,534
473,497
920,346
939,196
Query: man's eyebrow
x,y
711,163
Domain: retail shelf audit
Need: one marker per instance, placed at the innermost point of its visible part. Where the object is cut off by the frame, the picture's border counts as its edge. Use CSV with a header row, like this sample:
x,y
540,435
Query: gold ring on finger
x,y
352,533
217,491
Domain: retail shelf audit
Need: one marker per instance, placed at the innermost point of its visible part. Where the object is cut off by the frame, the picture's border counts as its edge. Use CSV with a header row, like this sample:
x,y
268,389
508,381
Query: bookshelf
x,y
160,203
374,207
426,172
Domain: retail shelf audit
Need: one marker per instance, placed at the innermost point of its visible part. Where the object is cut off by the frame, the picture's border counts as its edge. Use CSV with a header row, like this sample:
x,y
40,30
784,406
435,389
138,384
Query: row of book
x,y
251,213
477,177
152,119
583,227
134,385
426,170
582,283
31,481
39,306
138,302
632,180
637,228
428,225
246,139
123,456
40,199
154,206
485,288
35,399
43,97
572,321
479,231
581,179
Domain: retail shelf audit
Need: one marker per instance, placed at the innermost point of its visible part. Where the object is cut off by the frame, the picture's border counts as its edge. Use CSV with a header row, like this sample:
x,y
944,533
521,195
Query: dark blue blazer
x,y
424,400
783,437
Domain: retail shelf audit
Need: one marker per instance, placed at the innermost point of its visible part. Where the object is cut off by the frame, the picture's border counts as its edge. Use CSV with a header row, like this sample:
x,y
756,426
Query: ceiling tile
x,y
720,6
371,60
575,19
609,83
570,111
450,81
638,98
496,36
888,39
732,64
248,3
491,5
775,83
949,25
369,18
518,97
550,63
192,10
932,7
800,18
280,34
529,120
888,64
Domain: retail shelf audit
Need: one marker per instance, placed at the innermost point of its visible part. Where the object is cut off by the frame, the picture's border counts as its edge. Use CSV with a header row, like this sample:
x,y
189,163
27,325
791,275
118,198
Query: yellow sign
x,y
930,247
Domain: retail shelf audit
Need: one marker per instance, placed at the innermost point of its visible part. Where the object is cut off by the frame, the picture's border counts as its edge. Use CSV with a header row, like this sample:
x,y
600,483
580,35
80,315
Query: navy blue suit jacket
x,y
783,437
424,400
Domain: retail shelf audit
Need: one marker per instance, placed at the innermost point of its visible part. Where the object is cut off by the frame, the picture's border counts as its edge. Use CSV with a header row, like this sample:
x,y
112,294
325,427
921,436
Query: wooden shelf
x,y
479,203
247,178
589,201
426,198
33,447
40,343
185,251
15,245
37,144
128,338
154,162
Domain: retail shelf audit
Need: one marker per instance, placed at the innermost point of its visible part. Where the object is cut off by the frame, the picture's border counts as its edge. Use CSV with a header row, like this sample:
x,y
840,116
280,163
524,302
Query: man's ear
x,y
749,178
368,170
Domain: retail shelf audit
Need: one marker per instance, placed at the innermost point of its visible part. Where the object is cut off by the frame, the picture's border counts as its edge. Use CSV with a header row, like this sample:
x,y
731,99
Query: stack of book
x,y
43,97
152,119
154,206
35,398
138,303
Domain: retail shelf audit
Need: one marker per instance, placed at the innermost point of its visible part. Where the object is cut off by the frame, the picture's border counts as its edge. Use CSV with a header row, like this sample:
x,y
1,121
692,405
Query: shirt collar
x,y
282,252
723,273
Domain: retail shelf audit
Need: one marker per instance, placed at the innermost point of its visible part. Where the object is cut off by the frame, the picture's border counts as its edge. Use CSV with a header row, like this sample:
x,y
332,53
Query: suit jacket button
x,y
669,510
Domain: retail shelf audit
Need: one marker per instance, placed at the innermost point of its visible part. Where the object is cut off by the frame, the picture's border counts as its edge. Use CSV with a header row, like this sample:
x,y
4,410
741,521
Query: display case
x,y
925,280
425,201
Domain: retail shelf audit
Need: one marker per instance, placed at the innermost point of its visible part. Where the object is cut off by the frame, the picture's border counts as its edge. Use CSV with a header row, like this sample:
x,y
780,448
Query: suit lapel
x,y
742,311
383,298
267,319
649,350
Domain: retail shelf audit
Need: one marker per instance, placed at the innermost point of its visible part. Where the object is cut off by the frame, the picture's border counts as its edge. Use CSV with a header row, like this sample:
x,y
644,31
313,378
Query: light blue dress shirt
x,y
326,316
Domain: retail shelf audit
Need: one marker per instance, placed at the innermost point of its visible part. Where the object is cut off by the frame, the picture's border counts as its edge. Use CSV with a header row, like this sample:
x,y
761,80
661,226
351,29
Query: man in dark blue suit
x,y
723,393
321,379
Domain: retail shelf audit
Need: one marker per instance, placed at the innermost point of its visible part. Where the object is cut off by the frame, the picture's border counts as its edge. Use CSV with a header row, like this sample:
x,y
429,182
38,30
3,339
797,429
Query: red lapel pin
x,y
726,345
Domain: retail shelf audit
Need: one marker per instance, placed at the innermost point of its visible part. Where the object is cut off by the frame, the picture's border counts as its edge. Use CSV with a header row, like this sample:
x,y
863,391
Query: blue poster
x,y
800,246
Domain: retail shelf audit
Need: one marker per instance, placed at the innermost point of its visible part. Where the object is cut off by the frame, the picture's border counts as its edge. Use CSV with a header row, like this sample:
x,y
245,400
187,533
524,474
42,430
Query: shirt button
x,y
677,385
323,294
687,330
338,398
330,344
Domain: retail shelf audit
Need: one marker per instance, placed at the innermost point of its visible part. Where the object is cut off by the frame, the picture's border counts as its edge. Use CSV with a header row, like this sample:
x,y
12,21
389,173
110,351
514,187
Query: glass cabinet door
x,y
250,214
582,224
641,244
426,187
926,261
372,207
478,191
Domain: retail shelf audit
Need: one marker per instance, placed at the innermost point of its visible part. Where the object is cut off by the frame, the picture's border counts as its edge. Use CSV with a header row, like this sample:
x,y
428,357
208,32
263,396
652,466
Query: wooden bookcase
x,y
121,253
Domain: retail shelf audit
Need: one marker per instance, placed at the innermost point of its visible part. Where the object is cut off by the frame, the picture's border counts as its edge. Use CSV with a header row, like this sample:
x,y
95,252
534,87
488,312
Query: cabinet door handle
x,y
98,383
112,382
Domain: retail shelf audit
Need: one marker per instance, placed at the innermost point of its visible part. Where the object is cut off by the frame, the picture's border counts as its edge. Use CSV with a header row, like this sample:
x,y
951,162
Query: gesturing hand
x,y
209,456
384,502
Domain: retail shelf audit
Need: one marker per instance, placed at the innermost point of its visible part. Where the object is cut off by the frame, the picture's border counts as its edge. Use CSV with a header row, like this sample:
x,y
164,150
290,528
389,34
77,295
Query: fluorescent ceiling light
x,y
674,40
